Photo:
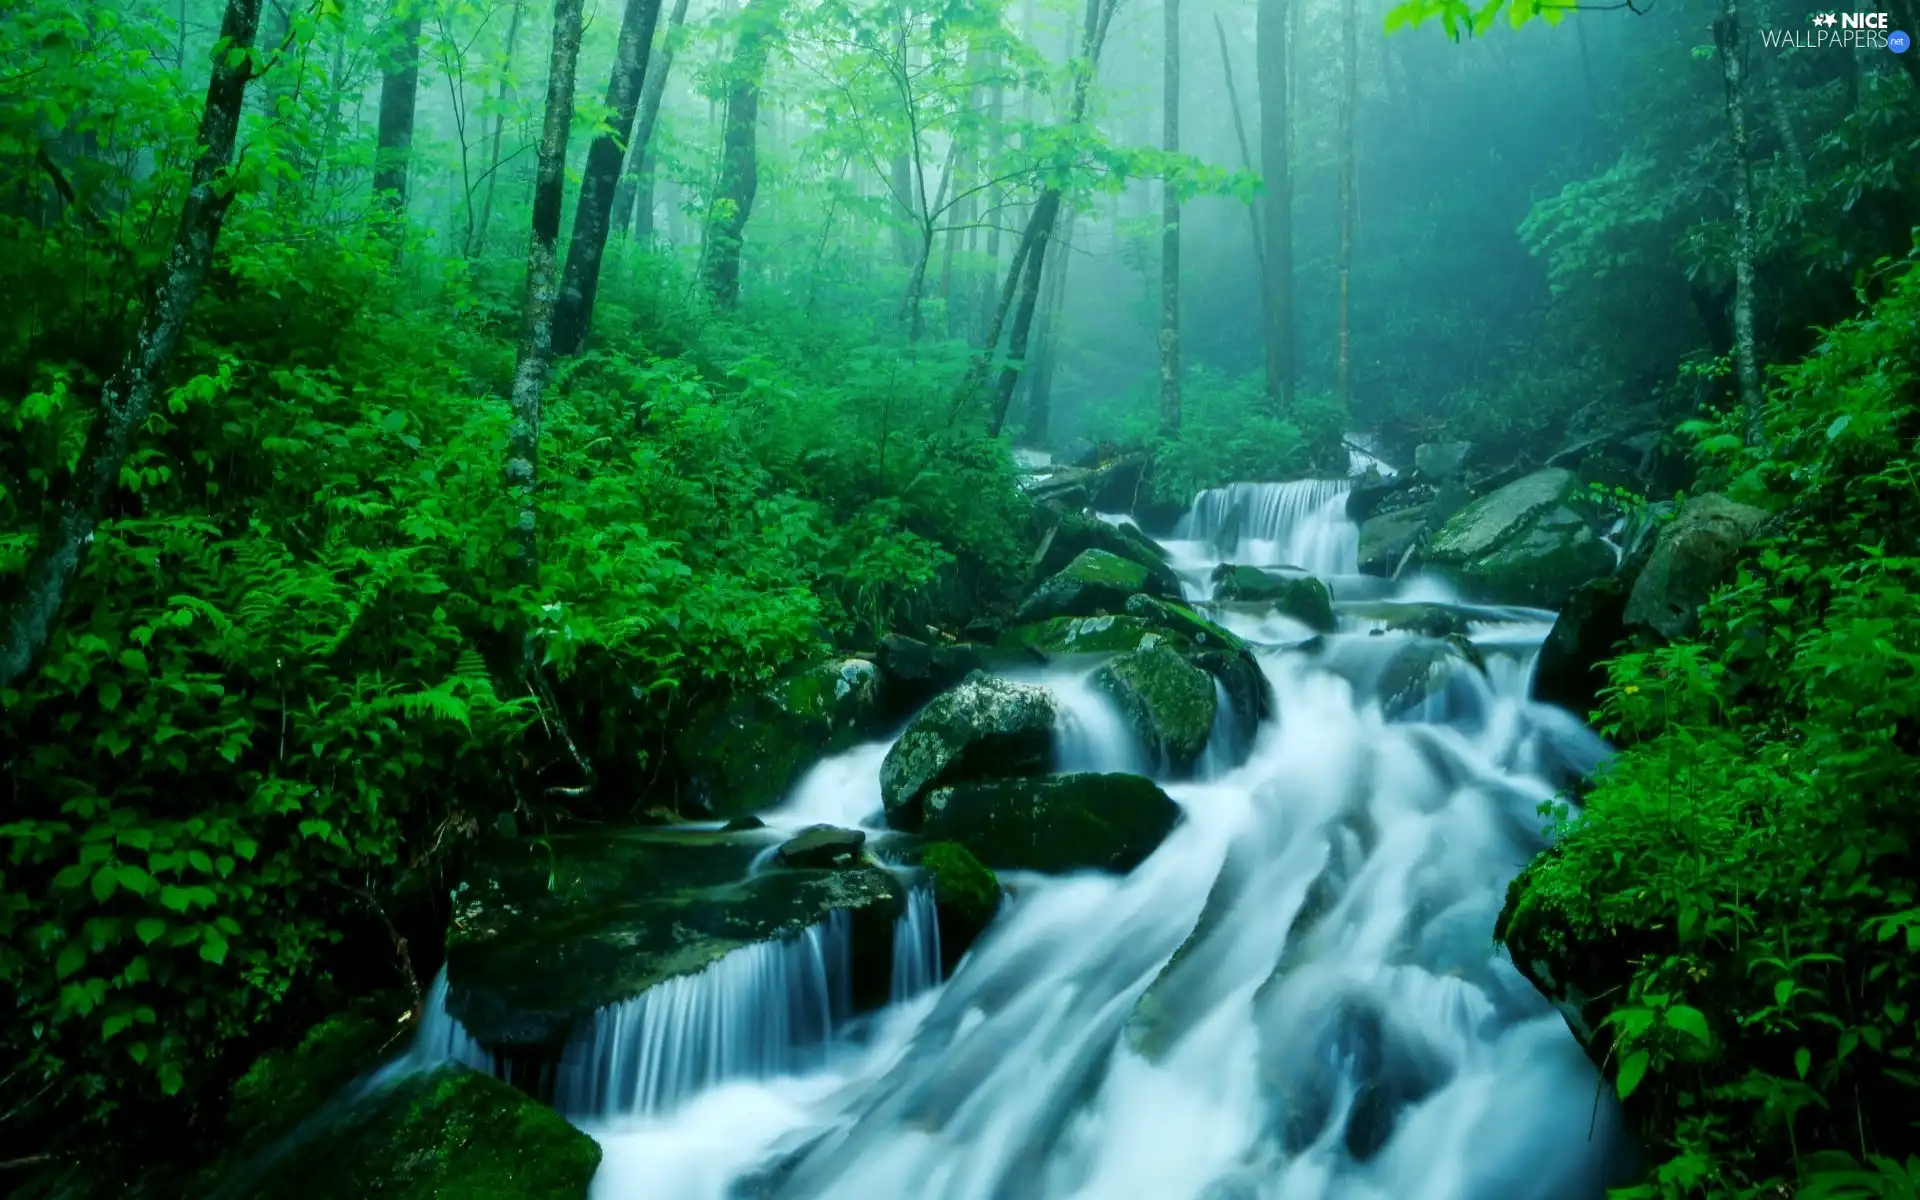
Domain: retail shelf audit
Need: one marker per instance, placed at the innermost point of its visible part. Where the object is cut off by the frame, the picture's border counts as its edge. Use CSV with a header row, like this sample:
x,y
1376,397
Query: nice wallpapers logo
x,y
1846,31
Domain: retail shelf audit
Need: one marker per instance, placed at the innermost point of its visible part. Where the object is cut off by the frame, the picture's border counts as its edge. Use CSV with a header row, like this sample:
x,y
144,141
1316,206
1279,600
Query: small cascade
x,y
762,1011
916,947
1229,741
1302,523
1091,735
441,1038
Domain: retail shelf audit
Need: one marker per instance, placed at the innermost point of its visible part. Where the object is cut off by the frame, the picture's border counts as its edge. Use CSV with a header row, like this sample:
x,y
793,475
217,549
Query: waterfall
x,y
1302,524
441,1038
916,947
761,1011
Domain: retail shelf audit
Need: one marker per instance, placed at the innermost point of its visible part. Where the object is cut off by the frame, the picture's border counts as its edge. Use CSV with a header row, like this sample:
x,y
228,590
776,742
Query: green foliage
x,y
1740,887
1229,432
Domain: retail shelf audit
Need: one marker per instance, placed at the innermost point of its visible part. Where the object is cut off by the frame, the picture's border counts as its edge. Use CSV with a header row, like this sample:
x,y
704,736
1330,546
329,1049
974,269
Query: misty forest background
x,y
415,412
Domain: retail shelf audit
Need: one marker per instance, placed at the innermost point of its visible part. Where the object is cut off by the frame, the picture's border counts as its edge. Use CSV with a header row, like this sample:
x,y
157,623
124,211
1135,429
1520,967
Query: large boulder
x,y
985,728
1056,822
1571,668
1080,635
1374,492
1075,534
913,672
548,930
1168,702
449,1131
1522,544
1293,593
1692,555
1184,623
965,897
1440,461
823,846
1386,537
1095,582
743,752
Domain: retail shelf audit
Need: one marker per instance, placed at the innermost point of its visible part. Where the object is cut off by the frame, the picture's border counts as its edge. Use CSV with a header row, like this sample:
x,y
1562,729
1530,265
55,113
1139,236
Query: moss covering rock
x,y
1055,823
744,752
1294,594
1386,537
965,896
985,728
1095,582
1184,623
548,930
1522,544
1168,702
1076,534
1081,635
913,672
1693,554
437,1135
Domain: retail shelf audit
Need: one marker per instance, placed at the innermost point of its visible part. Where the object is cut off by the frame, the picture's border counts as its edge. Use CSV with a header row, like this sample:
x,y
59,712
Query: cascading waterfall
x,y
1297,997
764,1010
916,947
441,1038
1302,524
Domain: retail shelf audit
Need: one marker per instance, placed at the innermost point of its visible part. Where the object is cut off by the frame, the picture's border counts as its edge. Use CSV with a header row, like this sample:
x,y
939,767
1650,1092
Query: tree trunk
x,y
1044,213
1746,357
1349,84
1047,342
997,199
639,162
1246,154
126,398
399,90
580,281
543,284
1276,166
499,131
1170,234
739,166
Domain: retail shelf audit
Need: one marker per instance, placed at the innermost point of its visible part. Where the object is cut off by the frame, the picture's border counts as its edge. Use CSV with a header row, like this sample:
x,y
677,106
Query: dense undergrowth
x,y
1736,904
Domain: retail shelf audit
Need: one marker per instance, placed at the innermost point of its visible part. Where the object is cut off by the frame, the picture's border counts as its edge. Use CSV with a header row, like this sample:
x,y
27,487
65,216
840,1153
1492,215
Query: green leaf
x,y
1632,1070
1782,991
1802,1060
150,929
135,879
114,1024
109,692
1690,1021
175,898
200,861
105,880
213,946
73,956
1839,425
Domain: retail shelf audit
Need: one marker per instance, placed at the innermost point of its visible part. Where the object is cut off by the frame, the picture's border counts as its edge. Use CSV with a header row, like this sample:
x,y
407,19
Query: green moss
x,y
743,753
1080,635
962,884
1169,702
1184,623
1055,823
1095,582
984,728
284,1087
448,1134
1301,597
1481,527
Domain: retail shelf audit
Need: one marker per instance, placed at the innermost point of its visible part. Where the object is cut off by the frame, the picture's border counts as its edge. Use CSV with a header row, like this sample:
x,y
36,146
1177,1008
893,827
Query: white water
x,y
916,947
1342,1026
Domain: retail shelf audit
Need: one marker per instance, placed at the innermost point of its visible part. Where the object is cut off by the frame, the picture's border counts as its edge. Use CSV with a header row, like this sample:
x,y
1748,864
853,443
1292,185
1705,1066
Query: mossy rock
x,y
984,728
1168,702
1176,618
1081,635
1294,594
1055,823
1498,517
286,1086
1095,582
1426,619
1076,534
1386,538
445,1134
913,672
548,930
744,752
966,895
1522,544
1693,554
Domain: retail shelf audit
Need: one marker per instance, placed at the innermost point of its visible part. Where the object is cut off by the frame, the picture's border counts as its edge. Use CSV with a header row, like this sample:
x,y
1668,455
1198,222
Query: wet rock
x,y
1095,582
1081,635
1374,492
1184,623
1571,669
1691,556
1055,823
1168,702
822,846
547,930
1440,461
913,672
742,824
1426,619
1422,670
1386,538
743,753
965,896
984,728
450,1131
1297,595
1522,544
1075,534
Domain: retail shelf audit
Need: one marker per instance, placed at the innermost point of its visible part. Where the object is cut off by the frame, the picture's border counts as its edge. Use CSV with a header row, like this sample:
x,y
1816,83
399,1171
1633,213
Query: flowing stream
x,y
1337,1022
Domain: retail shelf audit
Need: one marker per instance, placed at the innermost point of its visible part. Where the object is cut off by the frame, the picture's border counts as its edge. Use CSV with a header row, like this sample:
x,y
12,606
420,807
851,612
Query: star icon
x,y
1824,19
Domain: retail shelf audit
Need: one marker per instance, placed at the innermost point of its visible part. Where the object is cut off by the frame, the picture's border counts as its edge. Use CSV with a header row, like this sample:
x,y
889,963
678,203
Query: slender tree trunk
x,y
1276,165
1746,357
1047,341
1044,213
1170,233
126,398
739,165
639,160
1240,133
586,249
543,284
500,95
997,199
399,93
1349,86
916,287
